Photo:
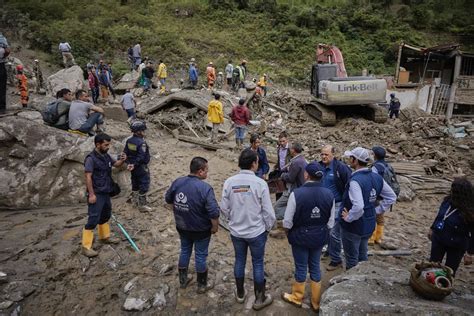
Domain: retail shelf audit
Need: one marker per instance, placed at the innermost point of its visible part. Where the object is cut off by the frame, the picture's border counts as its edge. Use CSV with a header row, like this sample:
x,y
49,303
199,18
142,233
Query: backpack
x,y
388,174
50,113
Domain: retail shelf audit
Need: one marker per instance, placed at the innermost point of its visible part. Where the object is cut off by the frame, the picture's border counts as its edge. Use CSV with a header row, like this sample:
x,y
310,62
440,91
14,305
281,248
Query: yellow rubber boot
x,y
87,239
104,231
315,295
104,234
374,235
297,294
378,234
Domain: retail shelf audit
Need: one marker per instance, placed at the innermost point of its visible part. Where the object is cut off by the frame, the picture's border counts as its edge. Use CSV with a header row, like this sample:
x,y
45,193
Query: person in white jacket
x,y
246,203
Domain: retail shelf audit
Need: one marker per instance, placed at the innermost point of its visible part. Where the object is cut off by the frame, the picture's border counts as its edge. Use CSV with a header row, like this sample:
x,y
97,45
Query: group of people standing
x,y
326,203
100,79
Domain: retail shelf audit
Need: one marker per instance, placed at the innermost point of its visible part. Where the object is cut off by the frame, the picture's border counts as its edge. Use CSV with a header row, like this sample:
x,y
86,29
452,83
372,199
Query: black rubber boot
x,y
184,278
240,292
203,283
262,300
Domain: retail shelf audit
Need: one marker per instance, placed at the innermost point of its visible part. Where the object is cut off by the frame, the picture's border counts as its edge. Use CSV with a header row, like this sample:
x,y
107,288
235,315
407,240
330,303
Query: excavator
x,y
333,92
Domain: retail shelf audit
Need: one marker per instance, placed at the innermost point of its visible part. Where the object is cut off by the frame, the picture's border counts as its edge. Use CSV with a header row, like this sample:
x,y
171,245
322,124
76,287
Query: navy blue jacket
x,y
263,166
101,171
137,151
313,210
342,174
371,185
194,204
456,232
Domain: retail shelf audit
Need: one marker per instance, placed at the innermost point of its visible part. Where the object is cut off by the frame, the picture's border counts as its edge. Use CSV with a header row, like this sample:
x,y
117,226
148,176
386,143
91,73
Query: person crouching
x,y
308,219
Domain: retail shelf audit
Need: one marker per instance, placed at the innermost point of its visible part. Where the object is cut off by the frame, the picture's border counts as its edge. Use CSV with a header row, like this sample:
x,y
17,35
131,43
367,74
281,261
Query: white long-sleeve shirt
x,y
291,209
355,195
246,203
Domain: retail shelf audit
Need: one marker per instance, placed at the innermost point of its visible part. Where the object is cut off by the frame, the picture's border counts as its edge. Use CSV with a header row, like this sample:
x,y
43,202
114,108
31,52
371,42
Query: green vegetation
x,y
277,37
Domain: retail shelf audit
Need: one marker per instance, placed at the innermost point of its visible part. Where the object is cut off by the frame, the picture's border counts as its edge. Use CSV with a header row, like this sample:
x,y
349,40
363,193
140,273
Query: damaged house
x,y
439,79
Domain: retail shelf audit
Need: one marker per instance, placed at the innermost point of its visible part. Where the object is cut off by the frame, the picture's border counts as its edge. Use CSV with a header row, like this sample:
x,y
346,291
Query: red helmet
x,y
19,67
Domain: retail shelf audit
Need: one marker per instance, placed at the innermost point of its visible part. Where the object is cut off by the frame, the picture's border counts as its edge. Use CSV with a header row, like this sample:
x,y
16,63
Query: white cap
x,y
358,153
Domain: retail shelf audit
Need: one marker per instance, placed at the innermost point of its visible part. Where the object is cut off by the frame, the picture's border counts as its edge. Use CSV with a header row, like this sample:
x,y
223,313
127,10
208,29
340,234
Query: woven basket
x,y
424,288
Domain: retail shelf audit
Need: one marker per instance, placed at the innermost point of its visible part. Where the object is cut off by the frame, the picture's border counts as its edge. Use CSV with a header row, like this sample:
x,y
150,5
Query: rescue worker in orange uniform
x,y
22,84
211,75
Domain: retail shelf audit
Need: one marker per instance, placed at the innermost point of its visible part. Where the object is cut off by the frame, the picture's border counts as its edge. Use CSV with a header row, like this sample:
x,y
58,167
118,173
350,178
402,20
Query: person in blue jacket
x,y
357,213
196,214
452,232
193,75
263,166
138,155
308,219
336,178
98,171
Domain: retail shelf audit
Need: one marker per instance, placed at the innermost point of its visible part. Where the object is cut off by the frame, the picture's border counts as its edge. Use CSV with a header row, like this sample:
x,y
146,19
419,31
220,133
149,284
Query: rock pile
x,y
42,165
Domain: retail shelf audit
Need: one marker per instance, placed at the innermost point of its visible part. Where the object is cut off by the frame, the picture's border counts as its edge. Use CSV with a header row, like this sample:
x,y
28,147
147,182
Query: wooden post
x,y
452,94
399,59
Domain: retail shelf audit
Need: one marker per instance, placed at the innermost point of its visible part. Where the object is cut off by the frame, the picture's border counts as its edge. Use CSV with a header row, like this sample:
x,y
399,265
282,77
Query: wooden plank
x,y
396,253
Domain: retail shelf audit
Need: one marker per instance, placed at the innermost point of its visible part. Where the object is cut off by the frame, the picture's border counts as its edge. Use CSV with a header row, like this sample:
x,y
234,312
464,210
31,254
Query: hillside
x,y
277,37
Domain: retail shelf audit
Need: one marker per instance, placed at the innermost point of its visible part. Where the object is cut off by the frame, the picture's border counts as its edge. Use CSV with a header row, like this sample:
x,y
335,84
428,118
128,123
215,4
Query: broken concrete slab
x,y
199,99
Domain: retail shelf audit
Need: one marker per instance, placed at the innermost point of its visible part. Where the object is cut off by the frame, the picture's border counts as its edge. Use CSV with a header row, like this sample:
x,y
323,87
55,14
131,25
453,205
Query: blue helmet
x,y
392,95
137,126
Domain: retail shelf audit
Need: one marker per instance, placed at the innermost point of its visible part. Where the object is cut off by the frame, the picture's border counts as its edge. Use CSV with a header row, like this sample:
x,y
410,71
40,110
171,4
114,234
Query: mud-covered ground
x,y
47,275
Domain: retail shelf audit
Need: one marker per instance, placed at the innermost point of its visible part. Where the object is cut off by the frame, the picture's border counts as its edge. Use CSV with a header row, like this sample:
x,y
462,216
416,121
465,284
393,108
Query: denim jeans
x,y
201,248
355,248
335,244
257,251
146,84
95,94
240,132
130,113
306,258
93,120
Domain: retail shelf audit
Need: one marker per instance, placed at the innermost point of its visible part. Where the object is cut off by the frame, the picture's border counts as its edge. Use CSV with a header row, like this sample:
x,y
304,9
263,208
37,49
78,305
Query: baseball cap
x,y
314,169
379,152
358,153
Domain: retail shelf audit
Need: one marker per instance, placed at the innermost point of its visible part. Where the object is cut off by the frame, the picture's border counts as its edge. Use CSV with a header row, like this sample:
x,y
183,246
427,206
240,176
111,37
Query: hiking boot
x,y
240,292
90,253
262,300
184,278
204,284
333,266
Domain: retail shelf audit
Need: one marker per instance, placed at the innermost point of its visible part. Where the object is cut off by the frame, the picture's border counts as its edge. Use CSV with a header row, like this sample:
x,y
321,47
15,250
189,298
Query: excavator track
x,y
377,113
323,114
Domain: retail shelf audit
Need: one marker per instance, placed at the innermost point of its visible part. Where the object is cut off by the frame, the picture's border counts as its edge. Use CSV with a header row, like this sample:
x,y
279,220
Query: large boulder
x,y
378,288
71,78
42,165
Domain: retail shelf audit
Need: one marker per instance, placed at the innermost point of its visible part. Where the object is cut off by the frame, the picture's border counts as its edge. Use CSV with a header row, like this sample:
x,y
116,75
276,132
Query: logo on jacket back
x,y
180,202
316,213
373,196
